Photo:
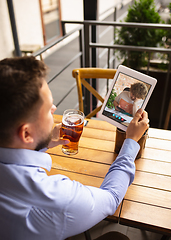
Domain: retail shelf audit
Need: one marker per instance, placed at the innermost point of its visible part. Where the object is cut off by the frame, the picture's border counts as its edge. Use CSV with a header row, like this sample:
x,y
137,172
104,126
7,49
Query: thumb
x,y
138,115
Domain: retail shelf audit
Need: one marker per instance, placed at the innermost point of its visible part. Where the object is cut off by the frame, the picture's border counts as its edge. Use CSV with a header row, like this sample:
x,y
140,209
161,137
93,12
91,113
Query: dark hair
x,y
139,90
20,81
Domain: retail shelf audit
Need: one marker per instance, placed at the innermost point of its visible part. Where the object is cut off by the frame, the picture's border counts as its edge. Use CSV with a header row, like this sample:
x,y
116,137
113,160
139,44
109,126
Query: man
x,y
32,204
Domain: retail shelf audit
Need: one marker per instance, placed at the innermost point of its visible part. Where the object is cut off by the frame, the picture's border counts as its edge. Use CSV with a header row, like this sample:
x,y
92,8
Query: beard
x,y
43,143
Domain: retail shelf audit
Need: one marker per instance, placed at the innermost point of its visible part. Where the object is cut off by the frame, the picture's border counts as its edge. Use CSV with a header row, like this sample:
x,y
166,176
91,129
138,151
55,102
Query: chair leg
x,y
166,124
87,235
164,237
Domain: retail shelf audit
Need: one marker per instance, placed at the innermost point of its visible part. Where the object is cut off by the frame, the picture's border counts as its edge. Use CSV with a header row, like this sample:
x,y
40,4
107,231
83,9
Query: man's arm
x,y
123,166
89,205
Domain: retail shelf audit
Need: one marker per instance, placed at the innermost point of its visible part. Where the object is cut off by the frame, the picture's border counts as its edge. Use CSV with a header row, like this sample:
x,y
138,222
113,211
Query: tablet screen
x,y
127,95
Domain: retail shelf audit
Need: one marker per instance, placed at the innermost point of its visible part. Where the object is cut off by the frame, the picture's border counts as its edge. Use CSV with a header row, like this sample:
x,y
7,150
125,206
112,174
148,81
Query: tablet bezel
x,y
137,76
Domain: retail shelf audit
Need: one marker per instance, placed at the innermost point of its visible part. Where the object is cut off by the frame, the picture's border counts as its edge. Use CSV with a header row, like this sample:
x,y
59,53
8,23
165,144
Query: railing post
x,y
148,66
114,35
91,13
81,48
63,28
86,93
86,45
108,66
165,92
14,28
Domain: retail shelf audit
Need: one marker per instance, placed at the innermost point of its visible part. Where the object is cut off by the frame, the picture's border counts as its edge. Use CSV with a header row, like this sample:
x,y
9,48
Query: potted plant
x,y
142,11
168,33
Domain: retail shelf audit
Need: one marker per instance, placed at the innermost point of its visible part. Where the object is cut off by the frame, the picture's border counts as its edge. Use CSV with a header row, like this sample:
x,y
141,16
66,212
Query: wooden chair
x,y
80,74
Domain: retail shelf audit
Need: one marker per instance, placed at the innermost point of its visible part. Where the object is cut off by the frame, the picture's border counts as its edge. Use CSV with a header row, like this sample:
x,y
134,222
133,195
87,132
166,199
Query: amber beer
x,y
72,127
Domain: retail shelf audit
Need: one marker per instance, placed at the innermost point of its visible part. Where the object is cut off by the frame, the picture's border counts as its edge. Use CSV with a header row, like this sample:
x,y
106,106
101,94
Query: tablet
x,y
129,91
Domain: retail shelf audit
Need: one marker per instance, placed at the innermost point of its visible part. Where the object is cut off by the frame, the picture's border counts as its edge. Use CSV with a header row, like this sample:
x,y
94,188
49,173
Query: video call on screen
x,y
126,97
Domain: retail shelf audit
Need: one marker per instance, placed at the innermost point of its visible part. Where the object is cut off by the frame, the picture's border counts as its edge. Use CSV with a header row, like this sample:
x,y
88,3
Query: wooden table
x,y
147,203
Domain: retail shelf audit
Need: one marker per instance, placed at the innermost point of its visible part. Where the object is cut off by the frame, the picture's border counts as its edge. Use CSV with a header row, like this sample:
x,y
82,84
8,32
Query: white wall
x,y
106,7
6,41
73,10
28,22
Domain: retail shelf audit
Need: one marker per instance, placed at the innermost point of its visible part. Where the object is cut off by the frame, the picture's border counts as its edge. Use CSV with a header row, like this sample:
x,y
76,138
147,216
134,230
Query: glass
x,y
72,128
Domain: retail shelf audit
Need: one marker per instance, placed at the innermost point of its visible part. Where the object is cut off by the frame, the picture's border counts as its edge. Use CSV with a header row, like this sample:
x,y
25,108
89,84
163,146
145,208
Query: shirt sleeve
x,y
89,205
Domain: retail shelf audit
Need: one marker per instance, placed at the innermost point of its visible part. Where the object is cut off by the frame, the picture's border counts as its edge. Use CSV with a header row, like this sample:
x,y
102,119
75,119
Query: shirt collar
x,y
25,157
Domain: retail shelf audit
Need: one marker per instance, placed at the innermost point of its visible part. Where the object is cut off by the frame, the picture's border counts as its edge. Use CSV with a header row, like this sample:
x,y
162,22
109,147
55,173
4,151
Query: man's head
x,y
138,91
23,96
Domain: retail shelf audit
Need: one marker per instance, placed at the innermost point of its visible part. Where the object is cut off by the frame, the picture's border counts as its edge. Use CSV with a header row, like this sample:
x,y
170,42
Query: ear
x,y
25,134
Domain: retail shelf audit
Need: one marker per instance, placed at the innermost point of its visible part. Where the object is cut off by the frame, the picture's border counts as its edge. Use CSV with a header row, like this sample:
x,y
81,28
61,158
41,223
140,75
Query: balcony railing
x,y
86,45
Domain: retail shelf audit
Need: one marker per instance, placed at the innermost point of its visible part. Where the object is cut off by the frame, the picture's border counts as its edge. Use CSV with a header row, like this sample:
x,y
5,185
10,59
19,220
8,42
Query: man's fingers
x,y
144,115
63,141
145,119
138,125
138,115
55,142
56,130
141,116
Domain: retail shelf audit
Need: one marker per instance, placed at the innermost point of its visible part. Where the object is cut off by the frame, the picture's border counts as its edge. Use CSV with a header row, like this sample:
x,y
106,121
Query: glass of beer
x,y
72,128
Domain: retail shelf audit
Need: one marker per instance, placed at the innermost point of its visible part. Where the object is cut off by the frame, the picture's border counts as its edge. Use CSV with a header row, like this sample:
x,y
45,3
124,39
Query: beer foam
x,y
70,120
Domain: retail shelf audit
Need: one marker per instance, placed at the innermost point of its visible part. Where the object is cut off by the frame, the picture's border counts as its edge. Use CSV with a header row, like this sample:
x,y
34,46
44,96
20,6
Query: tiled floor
x,y
133,233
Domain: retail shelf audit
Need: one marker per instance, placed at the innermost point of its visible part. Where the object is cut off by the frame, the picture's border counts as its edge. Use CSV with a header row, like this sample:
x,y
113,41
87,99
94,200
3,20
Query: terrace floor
x,y
105,226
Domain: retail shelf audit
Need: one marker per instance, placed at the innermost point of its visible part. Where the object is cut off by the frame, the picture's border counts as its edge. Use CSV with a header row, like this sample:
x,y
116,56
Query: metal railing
x,y
86,45
77,56
56,42
89,45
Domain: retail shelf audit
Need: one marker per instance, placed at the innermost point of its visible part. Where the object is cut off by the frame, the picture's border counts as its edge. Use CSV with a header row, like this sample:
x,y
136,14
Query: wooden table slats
x,y
156,154
84,179
159,133
86,154
99,134
152,180
79,166
147,203
158,144
150,217
146,195
157,167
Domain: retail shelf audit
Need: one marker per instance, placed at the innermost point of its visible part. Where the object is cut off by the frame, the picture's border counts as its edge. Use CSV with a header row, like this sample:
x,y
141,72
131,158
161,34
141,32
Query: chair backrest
x,y
80,74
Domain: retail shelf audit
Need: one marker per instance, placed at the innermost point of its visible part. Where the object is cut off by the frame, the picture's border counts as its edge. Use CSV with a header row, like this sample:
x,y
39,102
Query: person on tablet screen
x,y
131,99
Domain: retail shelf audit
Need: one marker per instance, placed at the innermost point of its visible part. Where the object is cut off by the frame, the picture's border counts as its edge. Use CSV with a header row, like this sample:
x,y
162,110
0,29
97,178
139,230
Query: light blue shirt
x,y
35,206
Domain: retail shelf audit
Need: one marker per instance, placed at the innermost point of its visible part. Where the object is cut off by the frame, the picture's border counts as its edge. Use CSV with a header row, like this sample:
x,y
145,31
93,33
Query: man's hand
x,y
138,125
56,140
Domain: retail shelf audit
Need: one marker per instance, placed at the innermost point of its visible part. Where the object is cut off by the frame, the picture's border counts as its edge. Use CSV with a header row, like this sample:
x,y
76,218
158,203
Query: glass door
x,y
51,19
